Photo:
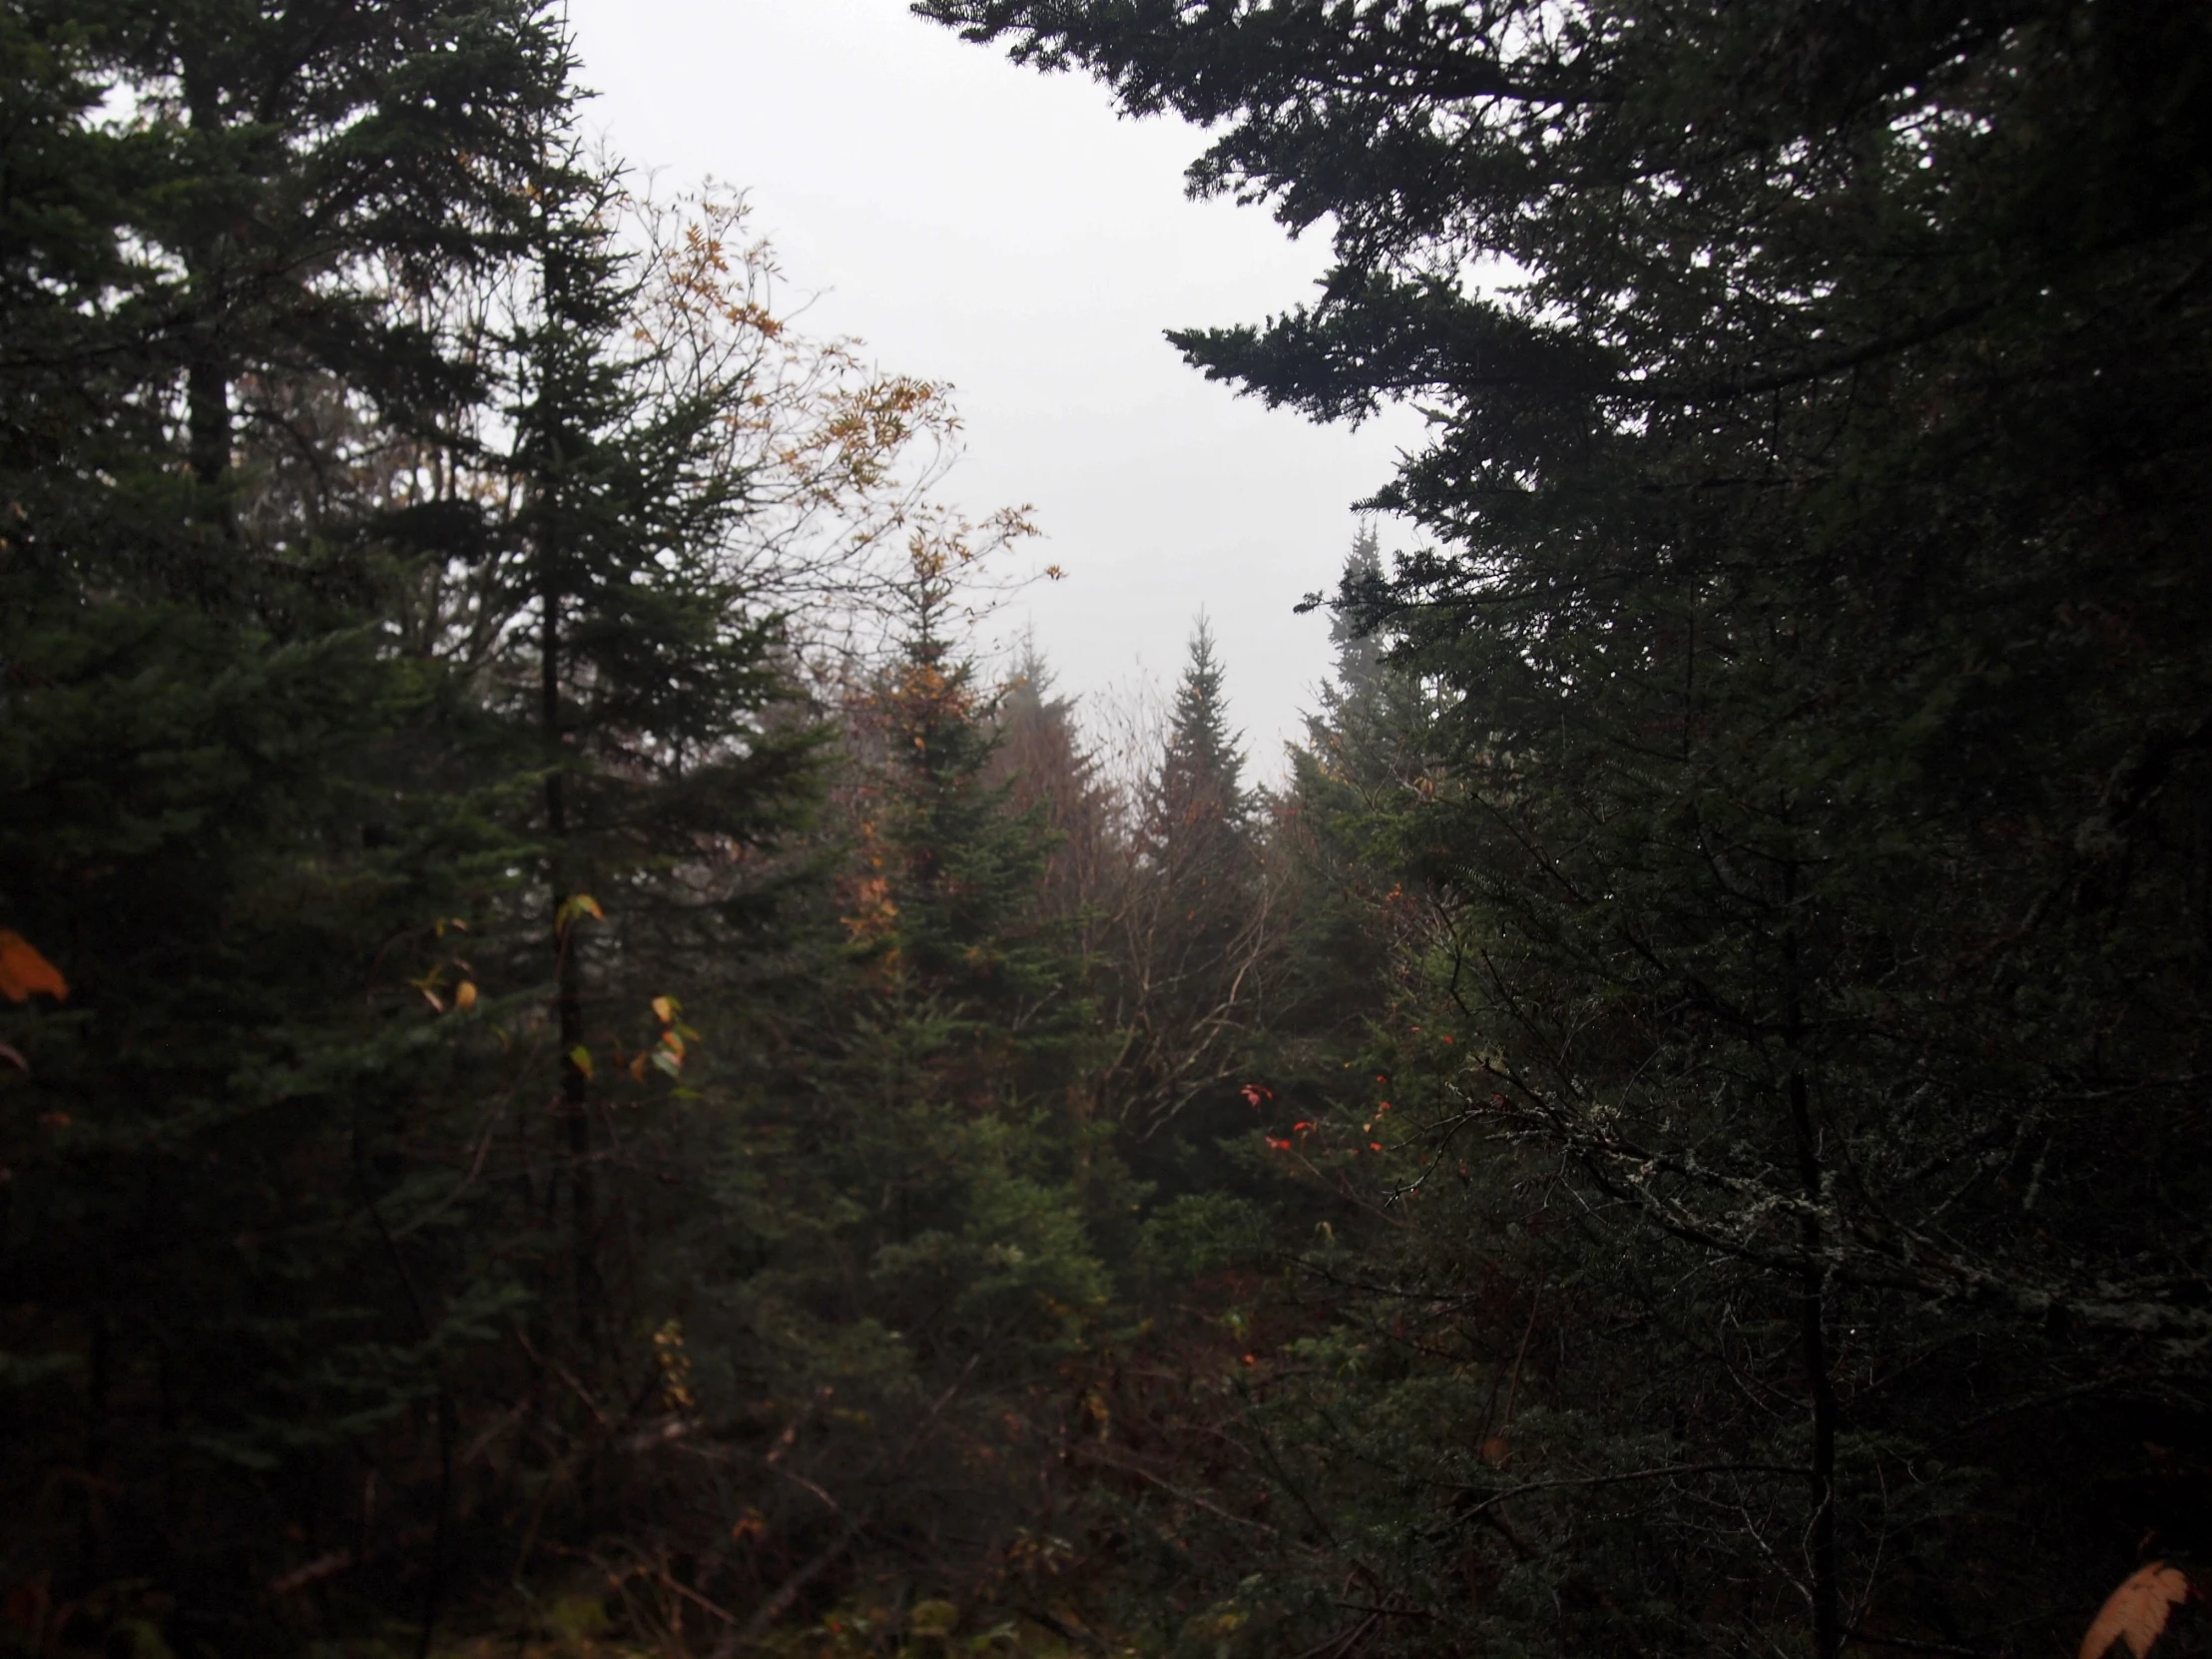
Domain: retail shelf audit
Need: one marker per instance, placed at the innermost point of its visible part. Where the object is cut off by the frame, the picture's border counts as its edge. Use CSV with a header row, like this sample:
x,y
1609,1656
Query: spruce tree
x,y
313,163
214,1326
644,667
1049,763
392,731
908,1258
1197,802
1341,825
1191,934
1817,410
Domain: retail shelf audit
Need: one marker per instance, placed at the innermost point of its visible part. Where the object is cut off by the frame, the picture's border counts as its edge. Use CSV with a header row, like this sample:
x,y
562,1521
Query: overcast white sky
x,y
1002,230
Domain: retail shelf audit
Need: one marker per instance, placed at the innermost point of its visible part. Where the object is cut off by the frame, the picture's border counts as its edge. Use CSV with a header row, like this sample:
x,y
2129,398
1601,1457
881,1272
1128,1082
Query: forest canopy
x,y
582,1071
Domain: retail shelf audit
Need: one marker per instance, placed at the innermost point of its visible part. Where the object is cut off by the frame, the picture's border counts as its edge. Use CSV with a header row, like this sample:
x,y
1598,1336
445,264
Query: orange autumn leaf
x,y
465,997
2137,1611
23,972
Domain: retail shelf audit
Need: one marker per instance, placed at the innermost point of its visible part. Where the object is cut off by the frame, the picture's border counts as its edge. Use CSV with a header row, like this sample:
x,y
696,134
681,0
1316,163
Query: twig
x,y
1178,1494
1528,1486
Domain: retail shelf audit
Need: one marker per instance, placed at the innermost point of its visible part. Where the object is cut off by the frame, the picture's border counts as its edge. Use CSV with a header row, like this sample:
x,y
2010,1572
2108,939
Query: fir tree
x,y
1799,816
1197,808
1356,782
310,855
215,1325
646,669
911,1201
1044,757
1191,935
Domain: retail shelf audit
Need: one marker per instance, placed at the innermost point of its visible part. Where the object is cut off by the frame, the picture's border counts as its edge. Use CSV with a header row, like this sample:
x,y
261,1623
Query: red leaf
x,y
23,972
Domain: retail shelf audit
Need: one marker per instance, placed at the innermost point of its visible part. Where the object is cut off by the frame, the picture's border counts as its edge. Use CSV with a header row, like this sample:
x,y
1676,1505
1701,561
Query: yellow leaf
x,y
23,972
2137,1611
577,905
580,1058
665,1010
465,996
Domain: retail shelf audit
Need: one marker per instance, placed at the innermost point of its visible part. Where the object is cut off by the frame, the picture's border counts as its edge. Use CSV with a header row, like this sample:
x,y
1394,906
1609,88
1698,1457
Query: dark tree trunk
x,y
208,374
1820,1389
569,980
1820,1386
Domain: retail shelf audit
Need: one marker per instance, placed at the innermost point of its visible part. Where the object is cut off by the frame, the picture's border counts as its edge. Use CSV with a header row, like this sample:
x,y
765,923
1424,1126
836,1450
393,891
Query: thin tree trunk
x,y
208,411
1820,1385
1819,1388
435,1580
433,1589
569,982
208,375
